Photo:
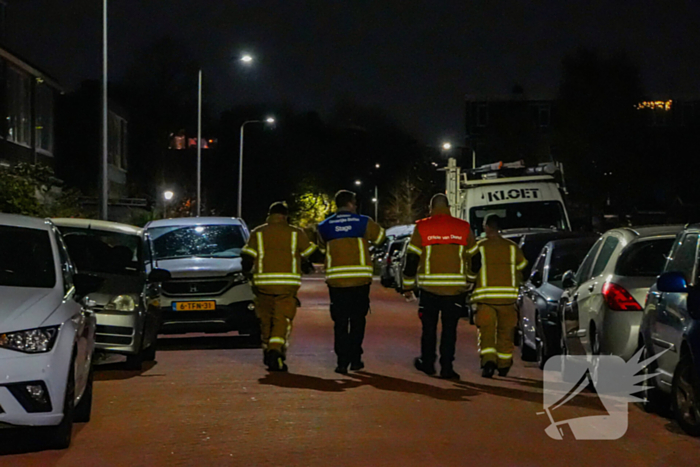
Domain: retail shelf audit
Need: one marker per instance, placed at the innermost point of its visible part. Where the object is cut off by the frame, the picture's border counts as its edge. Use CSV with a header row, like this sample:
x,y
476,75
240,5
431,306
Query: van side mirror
x,y
85,284
159,275
567,280
672,282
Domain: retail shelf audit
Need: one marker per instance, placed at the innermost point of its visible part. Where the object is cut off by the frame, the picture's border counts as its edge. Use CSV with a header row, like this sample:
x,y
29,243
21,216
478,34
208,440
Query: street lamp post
x,y
268,120
376,203
104,179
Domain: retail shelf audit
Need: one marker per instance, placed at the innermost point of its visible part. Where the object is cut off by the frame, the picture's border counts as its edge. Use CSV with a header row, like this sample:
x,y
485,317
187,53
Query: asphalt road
x,y
208,401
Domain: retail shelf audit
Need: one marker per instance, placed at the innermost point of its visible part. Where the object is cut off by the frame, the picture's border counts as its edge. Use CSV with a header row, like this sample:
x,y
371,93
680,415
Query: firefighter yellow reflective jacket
x,y
499,277
345,238
278,249
442,243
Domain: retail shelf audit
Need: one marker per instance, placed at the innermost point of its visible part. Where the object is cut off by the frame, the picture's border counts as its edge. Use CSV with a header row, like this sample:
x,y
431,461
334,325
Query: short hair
x,y
344,197
493,221
279,207
439,200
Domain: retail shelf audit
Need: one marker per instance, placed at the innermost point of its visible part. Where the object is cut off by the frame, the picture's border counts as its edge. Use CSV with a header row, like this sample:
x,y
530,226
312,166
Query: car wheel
x,y
527,353
59,436
653,398
542,347
686,396
149,354
134,362
83,410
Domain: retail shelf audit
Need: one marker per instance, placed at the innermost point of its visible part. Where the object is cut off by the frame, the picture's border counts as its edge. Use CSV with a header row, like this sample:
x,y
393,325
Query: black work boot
x,y
447,372
357,365
342,368
488,370
422,365
503,372
275,361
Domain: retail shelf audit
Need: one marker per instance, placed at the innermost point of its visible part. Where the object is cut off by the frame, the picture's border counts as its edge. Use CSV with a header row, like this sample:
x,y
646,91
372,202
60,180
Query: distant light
x,y
168,195
374,200
199,229
446,146
377,166
246,58
270,120
358,182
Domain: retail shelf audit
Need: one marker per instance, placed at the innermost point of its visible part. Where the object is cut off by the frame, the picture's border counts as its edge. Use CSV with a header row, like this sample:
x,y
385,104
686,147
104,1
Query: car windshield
x,y
539,214
26,258
645,258
214,241
103,252
566,258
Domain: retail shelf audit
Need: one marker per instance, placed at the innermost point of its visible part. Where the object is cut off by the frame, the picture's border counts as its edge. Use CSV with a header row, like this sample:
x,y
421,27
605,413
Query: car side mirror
x,y
85,284
672,282
159,275
567,280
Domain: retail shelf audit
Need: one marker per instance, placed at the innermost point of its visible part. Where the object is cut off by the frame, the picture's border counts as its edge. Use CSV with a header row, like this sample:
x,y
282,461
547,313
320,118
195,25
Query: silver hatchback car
x,y
602,304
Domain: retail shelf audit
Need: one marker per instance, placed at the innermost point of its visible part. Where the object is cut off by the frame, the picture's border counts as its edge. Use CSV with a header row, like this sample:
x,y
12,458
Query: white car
x,y
46,335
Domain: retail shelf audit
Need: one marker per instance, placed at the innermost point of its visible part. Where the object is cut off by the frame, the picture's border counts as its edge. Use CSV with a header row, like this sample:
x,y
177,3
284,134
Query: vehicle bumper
x,y
620,333
119,332
51,368
239,316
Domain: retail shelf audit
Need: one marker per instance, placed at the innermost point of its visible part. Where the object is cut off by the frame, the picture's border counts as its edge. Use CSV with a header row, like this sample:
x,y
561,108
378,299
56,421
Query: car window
x,y
683,256
564,259
213,241
644,258
606,252
583,271
100,251
537,268
26,258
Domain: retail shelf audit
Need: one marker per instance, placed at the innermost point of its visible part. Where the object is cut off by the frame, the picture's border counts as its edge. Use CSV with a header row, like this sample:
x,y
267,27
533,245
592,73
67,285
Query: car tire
x,y
527,353
685,398
83,410
387,282
149,354
134,362
59,436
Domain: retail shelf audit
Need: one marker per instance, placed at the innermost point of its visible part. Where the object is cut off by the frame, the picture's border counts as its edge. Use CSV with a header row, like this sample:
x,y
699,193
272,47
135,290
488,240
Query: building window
x,y
543,115
482,115
18,107
117,141
44,129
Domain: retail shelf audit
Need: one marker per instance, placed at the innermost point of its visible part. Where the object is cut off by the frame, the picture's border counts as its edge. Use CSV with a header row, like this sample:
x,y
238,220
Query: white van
x,y
524,198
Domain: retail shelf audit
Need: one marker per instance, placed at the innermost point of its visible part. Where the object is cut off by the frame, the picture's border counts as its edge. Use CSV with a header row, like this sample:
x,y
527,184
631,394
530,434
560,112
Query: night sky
x,y
414,59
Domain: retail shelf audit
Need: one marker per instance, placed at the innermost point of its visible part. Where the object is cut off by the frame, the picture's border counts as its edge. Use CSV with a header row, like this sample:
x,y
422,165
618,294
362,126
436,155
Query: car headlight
x,y
38,340
121,303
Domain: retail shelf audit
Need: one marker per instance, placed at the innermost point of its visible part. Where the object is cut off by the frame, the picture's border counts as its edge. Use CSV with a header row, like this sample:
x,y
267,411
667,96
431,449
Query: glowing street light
x,y
270,120
246,58
168,195
358,182
377,166
447,146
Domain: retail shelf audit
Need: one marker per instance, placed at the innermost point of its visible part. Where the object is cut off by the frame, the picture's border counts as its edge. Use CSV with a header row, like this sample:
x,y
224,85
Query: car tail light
x,y
619,299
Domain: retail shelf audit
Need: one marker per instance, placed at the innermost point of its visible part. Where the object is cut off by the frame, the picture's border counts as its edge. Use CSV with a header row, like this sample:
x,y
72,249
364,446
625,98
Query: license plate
x,y
194,306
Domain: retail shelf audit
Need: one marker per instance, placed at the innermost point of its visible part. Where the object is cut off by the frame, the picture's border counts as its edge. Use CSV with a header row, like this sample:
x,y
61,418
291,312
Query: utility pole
x,y
104,161
376,203
199,146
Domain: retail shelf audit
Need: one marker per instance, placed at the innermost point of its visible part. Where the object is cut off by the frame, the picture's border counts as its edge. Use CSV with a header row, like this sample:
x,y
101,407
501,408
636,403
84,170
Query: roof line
x,y
15,60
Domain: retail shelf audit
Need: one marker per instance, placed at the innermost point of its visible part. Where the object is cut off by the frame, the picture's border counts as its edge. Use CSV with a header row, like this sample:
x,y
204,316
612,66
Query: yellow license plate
x,y
194,306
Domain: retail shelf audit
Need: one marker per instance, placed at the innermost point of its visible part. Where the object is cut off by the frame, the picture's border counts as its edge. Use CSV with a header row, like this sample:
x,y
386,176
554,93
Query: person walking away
x,y
345,238
275,252
498,263
437,256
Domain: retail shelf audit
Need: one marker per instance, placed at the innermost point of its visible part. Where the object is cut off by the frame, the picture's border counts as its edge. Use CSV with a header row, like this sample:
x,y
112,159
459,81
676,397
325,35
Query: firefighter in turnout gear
x,y
438,263
345,238
275,252
497,263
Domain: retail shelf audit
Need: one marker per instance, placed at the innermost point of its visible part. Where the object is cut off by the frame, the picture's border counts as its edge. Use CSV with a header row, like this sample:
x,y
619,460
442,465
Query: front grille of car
x,y
114,335
191,288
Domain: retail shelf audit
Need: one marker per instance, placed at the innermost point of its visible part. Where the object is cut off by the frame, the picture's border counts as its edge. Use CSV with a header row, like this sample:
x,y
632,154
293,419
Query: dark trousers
x,y
429,310
349,308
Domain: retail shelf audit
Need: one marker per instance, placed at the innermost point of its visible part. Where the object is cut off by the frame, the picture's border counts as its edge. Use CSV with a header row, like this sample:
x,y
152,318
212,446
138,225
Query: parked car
x,y
47,334
601,307
392,262
539,324
531,244
671,331
380,252
127,319
207,291
516,235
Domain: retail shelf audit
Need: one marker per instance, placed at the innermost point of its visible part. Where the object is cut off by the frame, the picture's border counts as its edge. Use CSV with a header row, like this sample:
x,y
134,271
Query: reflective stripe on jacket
x,y
442,242
278,249
499,277
345,237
